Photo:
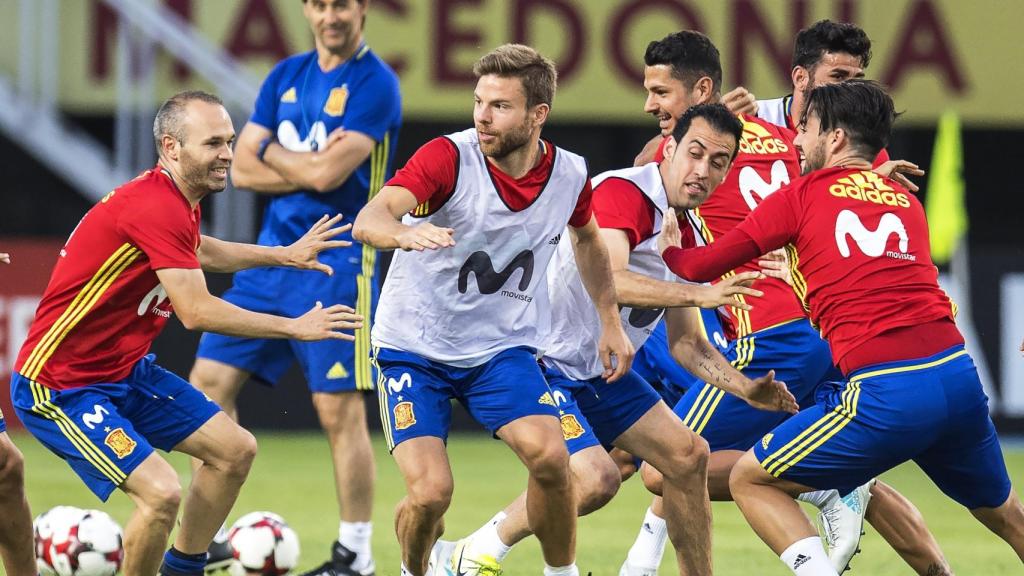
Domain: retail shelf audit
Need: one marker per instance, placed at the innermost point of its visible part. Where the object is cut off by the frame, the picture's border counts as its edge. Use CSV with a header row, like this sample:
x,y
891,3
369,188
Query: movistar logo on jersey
x,y
867,186
489,280
872,243
757,140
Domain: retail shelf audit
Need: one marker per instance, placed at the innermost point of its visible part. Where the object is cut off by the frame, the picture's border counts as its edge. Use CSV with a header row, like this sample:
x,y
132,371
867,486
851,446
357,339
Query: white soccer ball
x,y
264,544
75,542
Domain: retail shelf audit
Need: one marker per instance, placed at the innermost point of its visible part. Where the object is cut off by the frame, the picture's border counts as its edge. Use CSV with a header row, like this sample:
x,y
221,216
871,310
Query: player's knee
x,y
243,452
744,474
345,418
160,503
214,380
431,495
686,460
12,470
652,479
548,463
597,485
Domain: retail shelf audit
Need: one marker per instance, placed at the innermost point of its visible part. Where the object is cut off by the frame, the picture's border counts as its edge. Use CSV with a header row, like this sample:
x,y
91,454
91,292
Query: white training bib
x,y
773,111
572,346
463,305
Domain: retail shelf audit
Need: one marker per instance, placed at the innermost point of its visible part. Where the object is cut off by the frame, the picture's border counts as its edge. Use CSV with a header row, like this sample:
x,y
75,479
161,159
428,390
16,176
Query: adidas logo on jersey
x,y
867,186
757,140
555,239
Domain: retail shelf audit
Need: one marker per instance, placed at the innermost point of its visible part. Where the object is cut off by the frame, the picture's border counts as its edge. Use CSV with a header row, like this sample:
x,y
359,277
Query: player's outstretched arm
x,y
705,263
595,271
323,170
249,172
693,351
222,256
641,291
379,224
199,310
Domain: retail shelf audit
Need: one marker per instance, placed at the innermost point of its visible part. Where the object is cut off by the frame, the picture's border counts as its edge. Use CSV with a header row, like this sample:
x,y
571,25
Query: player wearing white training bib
x,y
493,296
597,414
465,306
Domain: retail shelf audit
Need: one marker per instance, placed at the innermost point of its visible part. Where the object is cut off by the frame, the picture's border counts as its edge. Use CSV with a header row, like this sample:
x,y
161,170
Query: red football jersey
x,y
104,305
767,160
859,248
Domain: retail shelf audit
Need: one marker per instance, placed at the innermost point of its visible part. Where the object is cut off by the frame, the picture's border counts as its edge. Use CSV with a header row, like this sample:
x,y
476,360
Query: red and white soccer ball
x,y
75,542
263,544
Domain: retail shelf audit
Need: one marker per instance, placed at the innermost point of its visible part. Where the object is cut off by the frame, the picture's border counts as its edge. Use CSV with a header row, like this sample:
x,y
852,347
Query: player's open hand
x,y
725,293
740,101
776,265
899,170
5,258
670,235
767,393
326,323
303,252
650,151
426,236
616,352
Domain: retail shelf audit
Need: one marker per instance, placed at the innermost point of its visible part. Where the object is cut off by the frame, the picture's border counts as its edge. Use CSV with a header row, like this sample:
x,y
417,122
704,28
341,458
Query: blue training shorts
x,y
415,393
328,365
594,412
799,357
104,431
929,410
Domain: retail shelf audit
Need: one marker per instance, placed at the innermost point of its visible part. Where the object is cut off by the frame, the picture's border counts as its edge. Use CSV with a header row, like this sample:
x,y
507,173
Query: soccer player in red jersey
x,y
858,245
83,383
825,53
16,529
683,69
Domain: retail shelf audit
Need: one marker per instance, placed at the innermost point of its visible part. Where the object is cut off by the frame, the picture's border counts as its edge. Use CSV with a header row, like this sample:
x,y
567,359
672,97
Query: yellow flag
x,y
946,209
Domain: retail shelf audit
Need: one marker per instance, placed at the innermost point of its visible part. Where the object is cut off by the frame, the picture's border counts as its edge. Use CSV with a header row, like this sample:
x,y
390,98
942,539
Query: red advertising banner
x,y
22,283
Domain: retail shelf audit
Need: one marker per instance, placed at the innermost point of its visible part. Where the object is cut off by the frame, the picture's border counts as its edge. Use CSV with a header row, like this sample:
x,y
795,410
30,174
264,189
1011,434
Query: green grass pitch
x,y
292,476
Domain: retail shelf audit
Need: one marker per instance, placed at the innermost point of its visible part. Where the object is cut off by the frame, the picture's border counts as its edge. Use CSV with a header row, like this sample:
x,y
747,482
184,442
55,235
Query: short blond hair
x,y
537,73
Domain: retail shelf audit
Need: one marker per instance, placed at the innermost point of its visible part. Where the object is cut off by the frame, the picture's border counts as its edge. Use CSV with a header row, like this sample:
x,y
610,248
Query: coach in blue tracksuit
x,y
320,141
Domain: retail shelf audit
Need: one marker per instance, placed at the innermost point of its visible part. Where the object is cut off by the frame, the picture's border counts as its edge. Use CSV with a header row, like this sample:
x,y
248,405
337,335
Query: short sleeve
x,y
776,220
167,237
584,210
265,110
376,105
619,204
431,172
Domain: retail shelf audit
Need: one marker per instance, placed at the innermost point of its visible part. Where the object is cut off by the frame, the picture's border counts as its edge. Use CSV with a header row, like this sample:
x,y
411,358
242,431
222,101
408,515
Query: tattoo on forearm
x,y
713,369
937,570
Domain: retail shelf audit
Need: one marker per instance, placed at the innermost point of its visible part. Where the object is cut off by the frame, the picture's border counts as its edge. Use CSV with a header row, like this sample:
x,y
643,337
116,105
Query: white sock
x,y
807,557
570,570
486,541
495,520
405,571
649,546
356,537
818,498
222,534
